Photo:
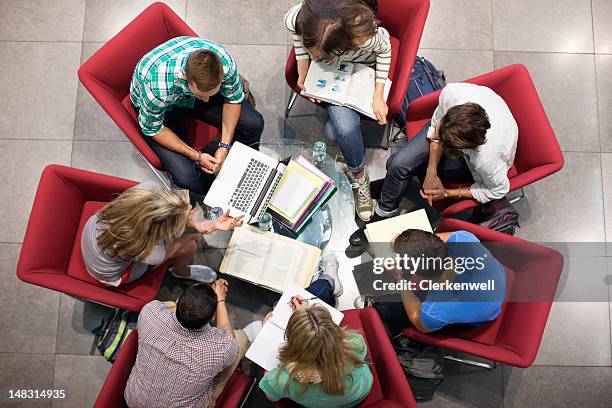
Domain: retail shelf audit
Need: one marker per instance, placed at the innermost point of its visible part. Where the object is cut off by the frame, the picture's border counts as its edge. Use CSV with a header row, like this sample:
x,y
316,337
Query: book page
x,y
329,83
361,91
246,254
264,350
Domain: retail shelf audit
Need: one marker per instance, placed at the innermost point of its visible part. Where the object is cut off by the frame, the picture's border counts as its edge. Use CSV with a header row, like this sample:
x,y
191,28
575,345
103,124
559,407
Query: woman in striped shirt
x,y
344,30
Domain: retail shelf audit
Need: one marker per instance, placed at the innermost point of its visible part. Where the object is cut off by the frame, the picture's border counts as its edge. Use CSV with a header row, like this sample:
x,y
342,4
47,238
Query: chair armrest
x,y
393,381
423,107
111,394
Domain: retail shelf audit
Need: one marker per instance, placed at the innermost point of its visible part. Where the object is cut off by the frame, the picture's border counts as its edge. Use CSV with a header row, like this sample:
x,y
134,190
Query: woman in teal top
x,y
321,365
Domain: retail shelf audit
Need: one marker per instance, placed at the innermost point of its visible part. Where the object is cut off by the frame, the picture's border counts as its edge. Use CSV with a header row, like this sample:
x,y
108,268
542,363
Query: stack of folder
x,y
302,190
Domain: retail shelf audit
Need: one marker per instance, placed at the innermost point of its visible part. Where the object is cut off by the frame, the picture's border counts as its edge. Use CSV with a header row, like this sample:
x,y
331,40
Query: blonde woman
x,y
142,228
321,365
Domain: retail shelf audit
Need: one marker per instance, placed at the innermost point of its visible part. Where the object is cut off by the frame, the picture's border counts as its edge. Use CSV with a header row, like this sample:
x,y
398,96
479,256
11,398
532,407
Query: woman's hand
x,y
227,223
380,108
268,316
298,303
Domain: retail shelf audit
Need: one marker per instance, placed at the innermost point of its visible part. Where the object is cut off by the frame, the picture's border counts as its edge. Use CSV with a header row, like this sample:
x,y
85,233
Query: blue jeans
x,y
323,288
410,161
344,128
187,174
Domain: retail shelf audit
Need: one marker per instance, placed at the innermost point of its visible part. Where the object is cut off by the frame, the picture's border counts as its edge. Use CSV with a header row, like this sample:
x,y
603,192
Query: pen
x,y
312,298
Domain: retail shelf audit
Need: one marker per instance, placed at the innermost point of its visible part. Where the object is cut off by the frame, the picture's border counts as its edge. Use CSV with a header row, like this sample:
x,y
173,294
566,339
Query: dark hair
x,y
204,68
335,27
196,306
464,127
422,244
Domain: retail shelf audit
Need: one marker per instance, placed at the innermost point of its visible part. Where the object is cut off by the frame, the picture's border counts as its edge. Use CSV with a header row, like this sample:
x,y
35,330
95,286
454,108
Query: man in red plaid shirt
x,y
182,360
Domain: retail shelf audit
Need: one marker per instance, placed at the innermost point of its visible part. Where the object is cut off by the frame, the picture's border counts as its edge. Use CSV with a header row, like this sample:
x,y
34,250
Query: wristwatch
x,y
226,145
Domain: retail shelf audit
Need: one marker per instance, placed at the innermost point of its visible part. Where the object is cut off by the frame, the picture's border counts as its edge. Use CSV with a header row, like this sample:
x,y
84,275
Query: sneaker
x,y
363,200
198,273
328,266
341,165
358,237
363,301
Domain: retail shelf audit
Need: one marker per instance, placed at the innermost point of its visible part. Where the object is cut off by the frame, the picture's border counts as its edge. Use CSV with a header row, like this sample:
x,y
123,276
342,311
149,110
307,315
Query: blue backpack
x,y
424,79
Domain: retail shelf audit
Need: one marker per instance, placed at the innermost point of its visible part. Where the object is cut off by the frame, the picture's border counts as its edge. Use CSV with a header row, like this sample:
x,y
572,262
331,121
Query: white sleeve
x,y
290,21
494,183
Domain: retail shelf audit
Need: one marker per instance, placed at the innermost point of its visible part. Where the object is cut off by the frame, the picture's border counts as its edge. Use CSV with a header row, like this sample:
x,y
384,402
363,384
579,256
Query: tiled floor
x,y
47,117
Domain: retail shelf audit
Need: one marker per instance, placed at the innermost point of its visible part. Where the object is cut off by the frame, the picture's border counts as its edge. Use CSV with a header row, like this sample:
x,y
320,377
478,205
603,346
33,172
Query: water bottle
x,y
215,213
202,273
318,153
265,223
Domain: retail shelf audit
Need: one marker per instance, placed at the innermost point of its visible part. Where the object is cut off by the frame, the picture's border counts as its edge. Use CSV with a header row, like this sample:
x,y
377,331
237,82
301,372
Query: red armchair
x,y
390,387
111,394
107,75
405,20
51,251
532,274
538,153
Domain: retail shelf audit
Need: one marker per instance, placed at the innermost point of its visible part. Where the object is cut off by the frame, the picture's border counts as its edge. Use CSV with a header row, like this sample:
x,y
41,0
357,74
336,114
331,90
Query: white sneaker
x,y
329,266
363,200
198,273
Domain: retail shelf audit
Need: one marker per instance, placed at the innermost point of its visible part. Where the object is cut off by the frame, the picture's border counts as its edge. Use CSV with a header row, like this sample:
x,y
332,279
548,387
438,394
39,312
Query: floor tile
x,y
25,372
105,18
470,28
602,26
606,164
552,212
266,81
29,318
119,159
468,386
81,377
570,327
603,63
41,20
571,108
260,21
39,104
543,387
459,65
91,122
76,319
308,128
22,163
542,25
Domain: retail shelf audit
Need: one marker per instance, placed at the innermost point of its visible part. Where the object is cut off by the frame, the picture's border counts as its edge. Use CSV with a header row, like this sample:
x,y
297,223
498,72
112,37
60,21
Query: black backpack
x,y
422,365
498,215
113,331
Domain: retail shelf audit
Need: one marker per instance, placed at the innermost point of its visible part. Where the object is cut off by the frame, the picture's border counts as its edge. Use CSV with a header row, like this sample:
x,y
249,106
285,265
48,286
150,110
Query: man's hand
x,y
431,198
298,303
209,164
220,155
432,187
220,287
380,108
226,223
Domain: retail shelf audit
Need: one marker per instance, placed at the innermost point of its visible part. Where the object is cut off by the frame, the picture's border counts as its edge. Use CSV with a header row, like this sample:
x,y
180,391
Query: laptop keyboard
x,y
251,180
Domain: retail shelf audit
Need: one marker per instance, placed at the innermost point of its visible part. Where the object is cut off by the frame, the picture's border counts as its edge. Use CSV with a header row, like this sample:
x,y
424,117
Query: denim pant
x,y
323,288
392,313
410,161
344,128
185,173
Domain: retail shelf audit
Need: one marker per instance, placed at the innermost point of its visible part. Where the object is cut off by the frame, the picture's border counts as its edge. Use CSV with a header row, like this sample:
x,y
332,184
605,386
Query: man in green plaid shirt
x,y
190,76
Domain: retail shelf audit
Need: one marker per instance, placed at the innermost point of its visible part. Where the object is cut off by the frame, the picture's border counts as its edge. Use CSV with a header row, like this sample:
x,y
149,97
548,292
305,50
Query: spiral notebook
x,y
264,350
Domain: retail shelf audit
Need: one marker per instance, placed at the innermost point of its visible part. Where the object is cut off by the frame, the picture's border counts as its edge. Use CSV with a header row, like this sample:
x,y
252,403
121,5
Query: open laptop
x,y
246,182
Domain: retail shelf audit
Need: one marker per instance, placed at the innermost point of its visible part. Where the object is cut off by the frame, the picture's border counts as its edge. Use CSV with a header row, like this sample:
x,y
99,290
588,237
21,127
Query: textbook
x,y
382,233
269,260
265,347
347,84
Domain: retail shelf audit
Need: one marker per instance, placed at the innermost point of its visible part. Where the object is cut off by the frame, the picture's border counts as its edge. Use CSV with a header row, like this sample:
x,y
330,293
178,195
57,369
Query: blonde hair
x,y
139,219
315,342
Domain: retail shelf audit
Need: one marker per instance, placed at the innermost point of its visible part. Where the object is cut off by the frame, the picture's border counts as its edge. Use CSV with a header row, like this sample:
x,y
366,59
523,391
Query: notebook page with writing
x,y
264,350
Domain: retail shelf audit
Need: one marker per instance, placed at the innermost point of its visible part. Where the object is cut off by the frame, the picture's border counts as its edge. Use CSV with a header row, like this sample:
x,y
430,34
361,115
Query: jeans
x,y
344,128
323,288
410,161
187,174
392,313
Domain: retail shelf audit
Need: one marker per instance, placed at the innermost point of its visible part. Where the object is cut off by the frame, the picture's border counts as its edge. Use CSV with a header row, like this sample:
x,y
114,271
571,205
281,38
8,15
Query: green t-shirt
x,y
357,384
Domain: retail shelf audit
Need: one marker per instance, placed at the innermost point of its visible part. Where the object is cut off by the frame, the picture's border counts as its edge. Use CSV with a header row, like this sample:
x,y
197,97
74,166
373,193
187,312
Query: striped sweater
x,y
375,51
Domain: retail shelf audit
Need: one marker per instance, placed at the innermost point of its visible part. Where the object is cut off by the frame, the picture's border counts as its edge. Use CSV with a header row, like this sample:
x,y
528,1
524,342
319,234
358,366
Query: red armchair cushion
x,y
144,288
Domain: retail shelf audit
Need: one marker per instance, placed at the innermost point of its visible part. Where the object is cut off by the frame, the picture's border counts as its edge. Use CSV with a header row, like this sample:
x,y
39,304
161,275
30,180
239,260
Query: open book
x,y
348,84
268,259
264,350
381,233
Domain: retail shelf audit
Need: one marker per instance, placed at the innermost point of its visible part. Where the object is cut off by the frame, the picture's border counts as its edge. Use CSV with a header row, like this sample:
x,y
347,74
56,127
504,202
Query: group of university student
x,y
188,349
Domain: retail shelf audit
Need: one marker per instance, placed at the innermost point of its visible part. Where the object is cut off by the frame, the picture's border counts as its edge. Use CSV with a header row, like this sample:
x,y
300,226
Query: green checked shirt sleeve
x,y
159,83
